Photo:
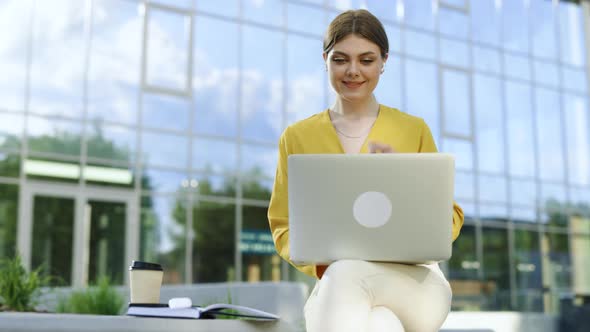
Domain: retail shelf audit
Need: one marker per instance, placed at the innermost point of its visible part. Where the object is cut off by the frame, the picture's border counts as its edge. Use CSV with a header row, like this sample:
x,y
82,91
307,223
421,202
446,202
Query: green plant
x,y
19,289
101,299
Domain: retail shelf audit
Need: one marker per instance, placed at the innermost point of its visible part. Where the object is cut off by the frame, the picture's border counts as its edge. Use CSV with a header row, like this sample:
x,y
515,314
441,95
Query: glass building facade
x,y
148,130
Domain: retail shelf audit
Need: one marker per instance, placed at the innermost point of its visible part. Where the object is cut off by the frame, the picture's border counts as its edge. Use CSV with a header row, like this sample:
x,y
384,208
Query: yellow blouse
x,y
316,134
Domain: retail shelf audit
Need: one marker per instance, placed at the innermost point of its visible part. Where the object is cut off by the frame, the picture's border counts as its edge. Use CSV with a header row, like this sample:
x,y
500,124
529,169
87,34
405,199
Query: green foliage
x,y
102,299
19,289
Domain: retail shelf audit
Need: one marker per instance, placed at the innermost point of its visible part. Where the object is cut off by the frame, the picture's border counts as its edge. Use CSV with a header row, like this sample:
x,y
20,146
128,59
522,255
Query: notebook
x,y
394,207
195,312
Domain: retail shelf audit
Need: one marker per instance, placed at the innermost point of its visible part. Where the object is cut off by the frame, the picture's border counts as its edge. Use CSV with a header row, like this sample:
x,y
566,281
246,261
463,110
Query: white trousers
x,y
360,296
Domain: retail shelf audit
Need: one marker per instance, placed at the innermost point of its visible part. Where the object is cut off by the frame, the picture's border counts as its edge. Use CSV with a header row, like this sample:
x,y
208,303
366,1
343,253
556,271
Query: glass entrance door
x,y
78,236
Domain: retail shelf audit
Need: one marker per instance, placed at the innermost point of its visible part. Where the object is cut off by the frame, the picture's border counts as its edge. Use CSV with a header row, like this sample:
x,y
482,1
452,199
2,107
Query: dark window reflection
x,y
528,269
496,269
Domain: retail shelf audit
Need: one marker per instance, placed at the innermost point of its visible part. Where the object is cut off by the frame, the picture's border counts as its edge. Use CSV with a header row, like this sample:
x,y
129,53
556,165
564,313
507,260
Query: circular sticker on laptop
x,y
372,209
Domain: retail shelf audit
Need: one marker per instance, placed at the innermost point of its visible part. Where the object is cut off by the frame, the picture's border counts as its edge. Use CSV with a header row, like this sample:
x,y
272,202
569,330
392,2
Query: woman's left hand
x,y
378,147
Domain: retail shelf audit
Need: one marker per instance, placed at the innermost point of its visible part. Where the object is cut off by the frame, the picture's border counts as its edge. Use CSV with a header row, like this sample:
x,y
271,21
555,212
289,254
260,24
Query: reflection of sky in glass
x,y
262,86
165,112
486,59
579,195
543,29
577,138
306,19
523,214
168,227
453,23
571,34
489,123
214,155
263,158
263,11
167,49
523,192
394,36
14,14
493,211
462,151
225,7
305,73
519,119
485,22
58,33
456,102
517,67
389,89
419,13
515,20
552,192
115,58
164,181
215,78
420,44
546,73
164,150
11,125
464,185
492,189
384,10
575,79
549,135
217,182
454,53
421,81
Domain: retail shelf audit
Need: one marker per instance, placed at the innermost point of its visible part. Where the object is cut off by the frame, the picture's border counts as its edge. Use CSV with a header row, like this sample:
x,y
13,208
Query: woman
x,y
357,295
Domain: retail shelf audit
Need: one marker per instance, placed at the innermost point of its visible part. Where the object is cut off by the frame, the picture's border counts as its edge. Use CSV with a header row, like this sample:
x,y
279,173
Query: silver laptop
x,y
380,207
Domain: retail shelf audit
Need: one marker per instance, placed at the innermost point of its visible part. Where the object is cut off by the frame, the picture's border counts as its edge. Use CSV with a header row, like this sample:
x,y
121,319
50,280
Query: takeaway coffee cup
x,y
145,282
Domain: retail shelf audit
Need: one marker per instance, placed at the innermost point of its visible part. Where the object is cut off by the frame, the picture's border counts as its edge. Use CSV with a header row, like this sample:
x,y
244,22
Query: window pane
x,y
464,186
520,215
523,192
214,242
163,234
453,23
420,44
165,112
259,258
571,21
164,150
389,89
215,185
577,139
267,12
462,151
9,164
306,19
8,219
496,268
115,61
306,75
419,13
580,251
215,83
11,130
52,237
485,21
262,84
517,67
543,29
111,143
214,156
225,8
422,92
546,73
486,59
515,20
257,188
456,103
167,49
385,10
489,124
528,270
454,53
394,36
344,5
259,161
556,267
463,271
553,198
495,213
492,189
520,129
16,15
574,79
57,85
549,135
163,181
54,136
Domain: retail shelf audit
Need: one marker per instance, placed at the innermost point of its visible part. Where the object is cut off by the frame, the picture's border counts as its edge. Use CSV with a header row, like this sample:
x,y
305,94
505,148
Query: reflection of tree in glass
x,y
214,226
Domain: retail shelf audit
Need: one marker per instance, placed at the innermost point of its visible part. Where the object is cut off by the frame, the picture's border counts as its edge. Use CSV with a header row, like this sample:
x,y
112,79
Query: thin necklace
x,y
350,136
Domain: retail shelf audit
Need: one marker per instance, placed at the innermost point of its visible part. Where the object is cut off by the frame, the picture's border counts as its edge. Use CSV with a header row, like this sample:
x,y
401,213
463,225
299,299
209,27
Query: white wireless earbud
x,y
180,303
